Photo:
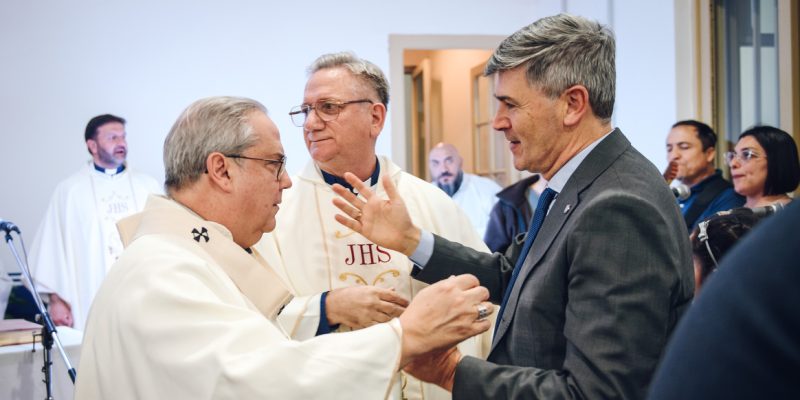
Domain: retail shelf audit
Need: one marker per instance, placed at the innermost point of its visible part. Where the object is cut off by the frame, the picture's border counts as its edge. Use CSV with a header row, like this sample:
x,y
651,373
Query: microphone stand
x,y
49,332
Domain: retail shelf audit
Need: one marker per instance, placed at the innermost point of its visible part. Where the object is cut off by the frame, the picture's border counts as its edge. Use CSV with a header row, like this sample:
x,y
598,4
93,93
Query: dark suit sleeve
x,y
622,266
451,258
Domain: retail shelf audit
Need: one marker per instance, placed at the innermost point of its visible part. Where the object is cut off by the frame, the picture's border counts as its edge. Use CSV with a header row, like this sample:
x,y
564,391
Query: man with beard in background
x,y
474,194
78,240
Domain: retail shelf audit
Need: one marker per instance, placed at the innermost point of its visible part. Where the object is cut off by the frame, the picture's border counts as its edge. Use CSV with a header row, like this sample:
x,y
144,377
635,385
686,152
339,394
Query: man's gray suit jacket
x,y
605,282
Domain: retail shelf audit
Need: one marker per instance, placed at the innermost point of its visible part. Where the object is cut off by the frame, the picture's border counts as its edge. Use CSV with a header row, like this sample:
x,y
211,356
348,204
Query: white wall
x,y
63,62
646,105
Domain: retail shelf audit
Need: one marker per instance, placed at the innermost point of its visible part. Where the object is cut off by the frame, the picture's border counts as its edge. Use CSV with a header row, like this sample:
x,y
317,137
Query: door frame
x,y
401,142
420,135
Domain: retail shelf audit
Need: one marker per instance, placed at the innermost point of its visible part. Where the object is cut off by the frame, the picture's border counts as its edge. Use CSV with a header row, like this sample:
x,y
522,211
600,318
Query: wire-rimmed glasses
x,y
281,162
743,157
327,110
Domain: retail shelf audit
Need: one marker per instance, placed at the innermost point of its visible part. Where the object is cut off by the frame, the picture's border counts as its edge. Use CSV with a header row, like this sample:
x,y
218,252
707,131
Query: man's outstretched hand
x,y
385,222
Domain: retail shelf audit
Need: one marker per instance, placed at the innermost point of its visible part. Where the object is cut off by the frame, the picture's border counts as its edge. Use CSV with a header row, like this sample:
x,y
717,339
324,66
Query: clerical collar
x,y
330,179
113,171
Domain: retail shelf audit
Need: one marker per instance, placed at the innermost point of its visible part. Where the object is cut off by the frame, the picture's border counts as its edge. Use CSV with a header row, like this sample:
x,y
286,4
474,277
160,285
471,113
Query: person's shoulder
x,y
75,181
629,183
616,164
627,212
633,157
633,172
157,244
173,260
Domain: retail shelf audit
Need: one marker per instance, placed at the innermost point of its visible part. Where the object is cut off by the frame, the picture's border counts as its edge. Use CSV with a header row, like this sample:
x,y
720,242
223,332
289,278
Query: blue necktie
x,y
538,218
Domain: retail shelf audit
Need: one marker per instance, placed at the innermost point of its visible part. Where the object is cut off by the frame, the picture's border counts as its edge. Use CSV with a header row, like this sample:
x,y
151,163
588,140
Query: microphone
x,y
767,210
8,226
681,192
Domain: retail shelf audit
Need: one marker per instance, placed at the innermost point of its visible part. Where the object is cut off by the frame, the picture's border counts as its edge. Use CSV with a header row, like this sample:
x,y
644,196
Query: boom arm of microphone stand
x,y
49,328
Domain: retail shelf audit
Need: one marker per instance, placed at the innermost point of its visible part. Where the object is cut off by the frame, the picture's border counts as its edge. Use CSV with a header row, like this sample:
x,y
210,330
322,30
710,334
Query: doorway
x,y
444,97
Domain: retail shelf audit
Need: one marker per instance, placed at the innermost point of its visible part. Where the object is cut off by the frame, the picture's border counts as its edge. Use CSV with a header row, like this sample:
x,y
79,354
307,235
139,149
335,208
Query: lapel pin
x,y
567,208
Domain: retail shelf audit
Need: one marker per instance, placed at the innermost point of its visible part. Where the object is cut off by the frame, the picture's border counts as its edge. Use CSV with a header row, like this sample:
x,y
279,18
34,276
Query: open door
x,y
420,117
445,110
491,156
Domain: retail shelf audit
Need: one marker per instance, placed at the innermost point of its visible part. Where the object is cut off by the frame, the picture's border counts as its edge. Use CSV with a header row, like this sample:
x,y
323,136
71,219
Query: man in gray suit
x,y
588,309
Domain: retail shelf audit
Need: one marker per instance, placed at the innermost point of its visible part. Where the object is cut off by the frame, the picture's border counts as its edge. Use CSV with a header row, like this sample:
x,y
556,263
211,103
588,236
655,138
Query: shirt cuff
x,y
323,326
424,250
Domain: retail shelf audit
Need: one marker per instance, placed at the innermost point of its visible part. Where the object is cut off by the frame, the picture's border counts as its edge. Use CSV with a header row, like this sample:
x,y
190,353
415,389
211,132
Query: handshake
x,y
440,316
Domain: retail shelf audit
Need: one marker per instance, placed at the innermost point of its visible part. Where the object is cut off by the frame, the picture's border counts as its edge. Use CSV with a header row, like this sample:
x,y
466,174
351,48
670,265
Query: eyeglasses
x,y
327,110
281,162
743,157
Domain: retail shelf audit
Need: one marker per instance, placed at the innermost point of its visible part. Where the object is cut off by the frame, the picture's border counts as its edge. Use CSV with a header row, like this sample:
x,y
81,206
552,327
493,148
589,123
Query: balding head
x,y
445,164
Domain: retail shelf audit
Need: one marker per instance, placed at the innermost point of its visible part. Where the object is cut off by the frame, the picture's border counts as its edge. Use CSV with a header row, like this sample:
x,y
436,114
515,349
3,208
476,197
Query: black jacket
x,y
510,216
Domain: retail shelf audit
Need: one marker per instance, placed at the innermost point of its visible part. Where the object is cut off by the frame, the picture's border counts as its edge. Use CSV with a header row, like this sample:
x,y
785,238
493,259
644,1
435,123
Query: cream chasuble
x,y
77,241
187,314
314,254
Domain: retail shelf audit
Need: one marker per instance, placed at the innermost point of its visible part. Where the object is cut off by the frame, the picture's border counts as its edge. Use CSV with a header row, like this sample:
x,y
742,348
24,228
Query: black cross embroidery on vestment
x,y
202,233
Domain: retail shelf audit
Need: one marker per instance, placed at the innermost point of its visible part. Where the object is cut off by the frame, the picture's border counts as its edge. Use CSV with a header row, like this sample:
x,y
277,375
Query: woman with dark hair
x,y
764,166
713,237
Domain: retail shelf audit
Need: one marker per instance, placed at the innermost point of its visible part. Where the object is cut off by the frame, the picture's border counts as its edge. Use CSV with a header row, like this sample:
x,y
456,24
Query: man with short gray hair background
x,y
605,271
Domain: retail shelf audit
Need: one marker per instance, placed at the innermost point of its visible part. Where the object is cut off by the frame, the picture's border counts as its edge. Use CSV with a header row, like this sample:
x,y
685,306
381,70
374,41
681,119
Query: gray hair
x,y
212,124
361,68
560,51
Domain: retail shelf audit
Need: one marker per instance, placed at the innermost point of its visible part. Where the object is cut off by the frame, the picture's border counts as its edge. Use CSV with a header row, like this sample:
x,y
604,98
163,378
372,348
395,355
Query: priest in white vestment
x,y
188,311
77,240
341,280
473,193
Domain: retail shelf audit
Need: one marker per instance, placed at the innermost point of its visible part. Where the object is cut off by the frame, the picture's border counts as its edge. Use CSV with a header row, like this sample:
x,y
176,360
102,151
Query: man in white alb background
x,y
78,240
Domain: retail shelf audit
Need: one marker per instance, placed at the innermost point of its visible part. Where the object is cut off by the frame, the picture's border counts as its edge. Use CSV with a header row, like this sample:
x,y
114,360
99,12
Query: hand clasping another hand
x,y
444,314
